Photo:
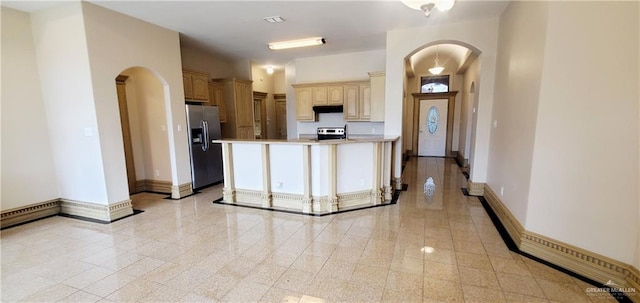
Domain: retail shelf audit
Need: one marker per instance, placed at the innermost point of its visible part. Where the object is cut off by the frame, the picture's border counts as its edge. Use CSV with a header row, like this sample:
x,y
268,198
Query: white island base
x,y
313,177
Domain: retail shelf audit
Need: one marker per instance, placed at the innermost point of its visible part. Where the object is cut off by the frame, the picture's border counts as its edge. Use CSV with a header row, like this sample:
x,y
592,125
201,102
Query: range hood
x,y
327,109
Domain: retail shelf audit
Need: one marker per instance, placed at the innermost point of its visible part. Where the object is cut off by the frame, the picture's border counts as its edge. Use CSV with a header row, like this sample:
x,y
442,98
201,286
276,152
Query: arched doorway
x,y
143,116
461,65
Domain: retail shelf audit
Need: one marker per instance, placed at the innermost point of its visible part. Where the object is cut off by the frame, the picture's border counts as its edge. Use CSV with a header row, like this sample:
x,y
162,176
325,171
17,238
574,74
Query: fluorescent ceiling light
x,y
297,43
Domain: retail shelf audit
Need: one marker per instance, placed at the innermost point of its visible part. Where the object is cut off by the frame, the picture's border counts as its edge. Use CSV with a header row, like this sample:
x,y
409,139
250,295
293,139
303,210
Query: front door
x,y
432,136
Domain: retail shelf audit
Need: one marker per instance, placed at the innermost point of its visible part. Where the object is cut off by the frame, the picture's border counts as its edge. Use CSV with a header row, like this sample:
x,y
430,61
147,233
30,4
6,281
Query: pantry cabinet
x,y
238,101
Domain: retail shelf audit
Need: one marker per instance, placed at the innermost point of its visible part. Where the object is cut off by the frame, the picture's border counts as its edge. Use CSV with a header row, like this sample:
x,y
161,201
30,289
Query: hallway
x,y
422,249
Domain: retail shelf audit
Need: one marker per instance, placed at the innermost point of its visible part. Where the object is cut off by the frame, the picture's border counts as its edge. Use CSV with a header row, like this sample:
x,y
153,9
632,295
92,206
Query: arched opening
x,y
142,98
461,63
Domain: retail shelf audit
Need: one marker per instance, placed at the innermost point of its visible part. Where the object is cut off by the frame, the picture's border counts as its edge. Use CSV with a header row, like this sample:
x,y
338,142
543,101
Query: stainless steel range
x,y
332,133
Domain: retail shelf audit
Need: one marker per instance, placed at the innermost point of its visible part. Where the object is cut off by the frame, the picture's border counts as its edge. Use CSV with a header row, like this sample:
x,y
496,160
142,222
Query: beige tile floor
x,y
192,250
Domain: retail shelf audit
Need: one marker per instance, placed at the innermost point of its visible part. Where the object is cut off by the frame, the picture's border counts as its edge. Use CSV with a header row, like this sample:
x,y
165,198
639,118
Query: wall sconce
x,y
270,70
427,6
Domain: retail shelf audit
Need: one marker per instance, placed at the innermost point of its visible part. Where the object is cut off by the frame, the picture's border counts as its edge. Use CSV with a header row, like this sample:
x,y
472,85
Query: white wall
x,y
28,174
109,33
279,84
68,95
334,68
341,67
468,99
523,29
585,159
479,34
196,59
148,120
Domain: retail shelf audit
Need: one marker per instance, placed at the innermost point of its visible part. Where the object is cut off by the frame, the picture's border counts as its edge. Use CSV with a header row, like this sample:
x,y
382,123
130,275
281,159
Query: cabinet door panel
x,y
351,101
216,98
200,87
304,105
319,95
218,95
335,94
365,102
188,88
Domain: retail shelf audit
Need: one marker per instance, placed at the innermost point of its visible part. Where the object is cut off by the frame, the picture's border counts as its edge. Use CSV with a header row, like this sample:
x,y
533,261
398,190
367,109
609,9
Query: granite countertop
x,y
311,139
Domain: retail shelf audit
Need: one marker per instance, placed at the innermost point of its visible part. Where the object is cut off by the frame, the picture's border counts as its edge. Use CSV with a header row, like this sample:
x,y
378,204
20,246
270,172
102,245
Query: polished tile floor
x,y
440,248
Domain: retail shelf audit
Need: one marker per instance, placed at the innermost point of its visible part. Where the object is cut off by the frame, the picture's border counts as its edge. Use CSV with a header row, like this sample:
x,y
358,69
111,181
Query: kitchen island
x,y
306,175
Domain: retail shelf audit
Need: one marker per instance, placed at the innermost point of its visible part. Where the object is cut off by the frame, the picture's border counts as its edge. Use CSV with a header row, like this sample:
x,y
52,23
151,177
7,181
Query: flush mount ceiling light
x,y
436,69
297,43
427,6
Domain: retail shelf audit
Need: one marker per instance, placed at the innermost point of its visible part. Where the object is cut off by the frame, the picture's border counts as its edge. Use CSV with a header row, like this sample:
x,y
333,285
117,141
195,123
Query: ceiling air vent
x,y
273,19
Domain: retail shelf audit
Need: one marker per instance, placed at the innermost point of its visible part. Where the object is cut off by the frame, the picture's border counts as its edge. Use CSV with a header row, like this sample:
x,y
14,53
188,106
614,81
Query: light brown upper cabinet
x,y
319,95
377,82
361,100
216,98
238,101
196,87
335,95
304,104
364,104
351,107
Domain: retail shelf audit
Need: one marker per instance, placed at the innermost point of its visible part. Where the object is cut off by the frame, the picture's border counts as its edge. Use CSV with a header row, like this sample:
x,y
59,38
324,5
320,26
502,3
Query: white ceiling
x,y
236,29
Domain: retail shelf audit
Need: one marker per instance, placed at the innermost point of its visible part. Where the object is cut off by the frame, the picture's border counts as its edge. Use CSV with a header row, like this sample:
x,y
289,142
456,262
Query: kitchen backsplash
x,y
337,119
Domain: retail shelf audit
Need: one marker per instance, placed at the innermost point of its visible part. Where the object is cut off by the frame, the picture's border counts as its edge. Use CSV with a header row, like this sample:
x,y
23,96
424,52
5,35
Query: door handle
x,y
205,131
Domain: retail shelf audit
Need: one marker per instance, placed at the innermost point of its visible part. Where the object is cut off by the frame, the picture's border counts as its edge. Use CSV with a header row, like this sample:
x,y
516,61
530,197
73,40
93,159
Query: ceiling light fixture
x,y
436,69
270,70
297,43
427,6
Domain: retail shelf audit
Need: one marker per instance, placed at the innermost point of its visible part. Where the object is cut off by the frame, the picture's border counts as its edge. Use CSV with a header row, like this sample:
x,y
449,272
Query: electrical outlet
x,y
501,190
361,182
157,173
164,127
495,123
179,127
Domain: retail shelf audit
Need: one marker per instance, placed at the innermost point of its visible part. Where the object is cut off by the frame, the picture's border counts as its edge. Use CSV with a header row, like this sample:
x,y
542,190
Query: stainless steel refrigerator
x,y
206,157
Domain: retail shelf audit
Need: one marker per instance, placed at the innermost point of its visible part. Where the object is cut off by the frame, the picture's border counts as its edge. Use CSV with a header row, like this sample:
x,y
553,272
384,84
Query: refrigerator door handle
x,y
205,131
